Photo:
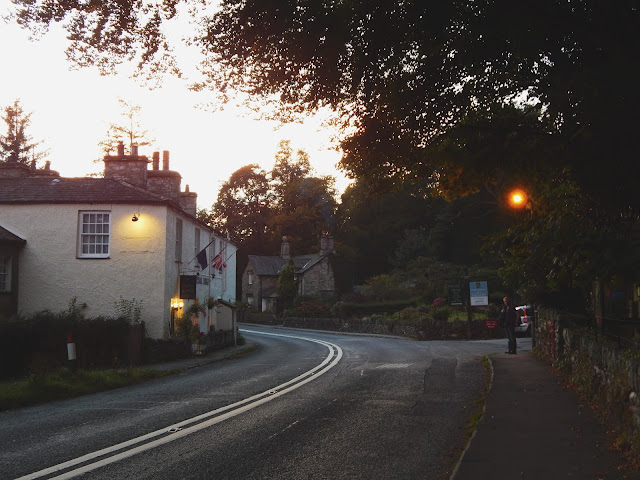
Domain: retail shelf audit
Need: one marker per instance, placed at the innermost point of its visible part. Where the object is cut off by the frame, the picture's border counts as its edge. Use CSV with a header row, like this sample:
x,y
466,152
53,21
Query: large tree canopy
x,y
402,73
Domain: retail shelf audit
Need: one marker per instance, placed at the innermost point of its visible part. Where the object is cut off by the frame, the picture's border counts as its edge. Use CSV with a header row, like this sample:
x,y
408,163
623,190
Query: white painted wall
x,y
142,263
51,274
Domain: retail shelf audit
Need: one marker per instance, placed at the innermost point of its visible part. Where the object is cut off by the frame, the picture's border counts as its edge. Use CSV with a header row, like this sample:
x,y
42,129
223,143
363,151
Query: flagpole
x,y
200,251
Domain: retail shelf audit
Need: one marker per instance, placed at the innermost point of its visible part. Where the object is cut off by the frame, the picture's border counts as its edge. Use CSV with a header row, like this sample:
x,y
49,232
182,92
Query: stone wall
x,y
425,330
607,374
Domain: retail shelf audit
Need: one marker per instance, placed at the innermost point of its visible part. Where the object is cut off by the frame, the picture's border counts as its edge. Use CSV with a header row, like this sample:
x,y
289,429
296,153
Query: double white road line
x,y
120,451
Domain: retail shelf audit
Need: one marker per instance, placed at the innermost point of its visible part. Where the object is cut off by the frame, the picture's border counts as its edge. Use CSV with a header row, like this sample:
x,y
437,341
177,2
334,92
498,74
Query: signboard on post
x,y
456,297
478,293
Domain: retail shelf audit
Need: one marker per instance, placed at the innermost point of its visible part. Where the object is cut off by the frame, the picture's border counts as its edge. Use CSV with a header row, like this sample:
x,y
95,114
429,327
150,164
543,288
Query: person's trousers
x,y
511,337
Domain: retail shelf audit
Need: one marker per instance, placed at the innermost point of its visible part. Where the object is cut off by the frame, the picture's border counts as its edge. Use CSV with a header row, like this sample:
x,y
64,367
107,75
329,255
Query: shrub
x,y
441,314
310,309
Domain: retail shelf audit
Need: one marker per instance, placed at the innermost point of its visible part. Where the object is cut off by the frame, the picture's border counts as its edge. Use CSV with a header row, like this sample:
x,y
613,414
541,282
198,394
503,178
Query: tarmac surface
x,y
534,426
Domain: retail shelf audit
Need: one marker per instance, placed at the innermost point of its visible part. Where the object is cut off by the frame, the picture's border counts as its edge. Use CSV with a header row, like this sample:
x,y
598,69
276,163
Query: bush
x,y
346,309
37,343
310,309
441,314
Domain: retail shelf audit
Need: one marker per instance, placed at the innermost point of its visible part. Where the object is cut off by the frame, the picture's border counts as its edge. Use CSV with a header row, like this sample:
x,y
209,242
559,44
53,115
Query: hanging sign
x,y
188,286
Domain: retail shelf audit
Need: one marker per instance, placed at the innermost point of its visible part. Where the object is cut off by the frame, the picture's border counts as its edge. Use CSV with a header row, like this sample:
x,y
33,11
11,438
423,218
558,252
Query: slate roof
x,y
8,237
73,190
271,265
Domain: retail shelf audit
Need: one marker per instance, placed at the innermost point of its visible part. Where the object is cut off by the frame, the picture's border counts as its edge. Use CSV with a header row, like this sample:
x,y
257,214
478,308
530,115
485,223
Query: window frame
x,y
5,261
82,234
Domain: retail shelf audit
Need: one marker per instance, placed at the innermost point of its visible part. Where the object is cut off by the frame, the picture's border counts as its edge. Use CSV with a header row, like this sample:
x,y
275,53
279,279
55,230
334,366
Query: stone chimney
x,y
188,201
285,249
128,168
326,244
164,182
11,169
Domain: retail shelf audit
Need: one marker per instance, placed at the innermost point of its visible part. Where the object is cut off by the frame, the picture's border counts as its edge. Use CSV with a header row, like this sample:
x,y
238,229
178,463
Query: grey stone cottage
x,y
314,275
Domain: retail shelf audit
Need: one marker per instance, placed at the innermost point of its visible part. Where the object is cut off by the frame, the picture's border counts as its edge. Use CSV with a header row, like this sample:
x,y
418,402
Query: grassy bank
x,y
64,383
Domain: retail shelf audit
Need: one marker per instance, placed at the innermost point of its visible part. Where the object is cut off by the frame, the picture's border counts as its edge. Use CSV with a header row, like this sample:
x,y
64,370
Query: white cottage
x,y
132,235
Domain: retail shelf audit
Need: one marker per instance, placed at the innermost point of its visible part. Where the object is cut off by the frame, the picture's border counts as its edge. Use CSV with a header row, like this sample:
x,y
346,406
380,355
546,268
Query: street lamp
x,y
518,198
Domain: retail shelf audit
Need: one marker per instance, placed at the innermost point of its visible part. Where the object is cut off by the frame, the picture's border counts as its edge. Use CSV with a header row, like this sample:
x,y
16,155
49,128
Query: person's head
x,y
506,300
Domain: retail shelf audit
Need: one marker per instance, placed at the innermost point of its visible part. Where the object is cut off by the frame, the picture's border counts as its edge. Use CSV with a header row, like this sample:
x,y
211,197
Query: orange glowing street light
x,y
518,198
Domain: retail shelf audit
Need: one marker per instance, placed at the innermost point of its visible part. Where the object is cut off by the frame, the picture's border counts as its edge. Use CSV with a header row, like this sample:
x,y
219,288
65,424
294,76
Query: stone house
x,y
314,274
130,236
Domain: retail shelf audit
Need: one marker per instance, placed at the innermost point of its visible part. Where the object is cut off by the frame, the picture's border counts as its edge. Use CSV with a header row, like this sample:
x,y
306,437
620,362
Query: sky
x,y
72,108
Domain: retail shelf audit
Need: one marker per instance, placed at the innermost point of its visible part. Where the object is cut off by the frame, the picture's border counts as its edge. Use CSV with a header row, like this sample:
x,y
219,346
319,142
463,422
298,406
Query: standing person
x,y
508,317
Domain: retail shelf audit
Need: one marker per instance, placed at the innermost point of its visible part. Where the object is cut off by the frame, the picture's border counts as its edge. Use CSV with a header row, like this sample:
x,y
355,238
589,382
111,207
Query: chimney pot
x,y
156,160
134,150
165,159
120,149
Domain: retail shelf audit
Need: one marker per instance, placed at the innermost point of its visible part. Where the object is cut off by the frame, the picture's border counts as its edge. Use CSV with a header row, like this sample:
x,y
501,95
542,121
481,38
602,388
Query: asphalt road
x,y
304,405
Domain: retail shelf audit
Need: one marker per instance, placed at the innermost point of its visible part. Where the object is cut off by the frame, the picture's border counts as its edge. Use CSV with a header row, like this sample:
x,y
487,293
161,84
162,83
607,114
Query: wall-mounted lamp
x,y
176,303
136,216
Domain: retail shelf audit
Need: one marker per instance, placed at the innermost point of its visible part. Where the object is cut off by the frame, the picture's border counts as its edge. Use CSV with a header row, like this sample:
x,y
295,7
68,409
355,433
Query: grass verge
x,y
65,383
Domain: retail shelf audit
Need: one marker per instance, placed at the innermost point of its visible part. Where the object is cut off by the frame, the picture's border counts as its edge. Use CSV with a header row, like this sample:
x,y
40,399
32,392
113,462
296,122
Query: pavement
x,y
534,427
537,428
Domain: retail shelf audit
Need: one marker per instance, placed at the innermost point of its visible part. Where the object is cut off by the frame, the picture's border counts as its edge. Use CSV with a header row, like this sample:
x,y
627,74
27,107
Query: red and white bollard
x,y
71,347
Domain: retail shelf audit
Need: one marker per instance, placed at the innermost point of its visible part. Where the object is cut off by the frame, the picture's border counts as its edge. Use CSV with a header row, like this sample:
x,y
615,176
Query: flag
x,y
217,262
202,258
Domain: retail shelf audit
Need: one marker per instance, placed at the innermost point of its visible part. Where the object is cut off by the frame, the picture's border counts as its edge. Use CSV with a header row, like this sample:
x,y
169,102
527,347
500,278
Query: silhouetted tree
x,y
17,145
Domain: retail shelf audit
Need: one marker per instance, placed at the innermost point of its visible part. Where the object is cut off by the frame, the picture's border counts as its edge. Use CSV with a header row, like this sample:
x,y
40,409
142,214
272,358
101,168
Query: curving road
x,y
304,405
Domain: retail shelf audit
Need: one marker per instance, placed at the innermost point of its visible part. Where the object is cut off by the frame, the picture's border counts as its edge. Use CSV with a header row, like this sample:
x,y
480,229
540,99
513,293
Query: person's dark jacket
x,y
508,316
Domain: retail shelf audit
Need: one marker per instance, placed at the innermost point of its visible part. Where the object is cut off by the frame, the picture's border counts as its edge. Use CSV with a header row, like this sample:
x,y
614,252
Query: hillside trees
x,y
17,145
394,228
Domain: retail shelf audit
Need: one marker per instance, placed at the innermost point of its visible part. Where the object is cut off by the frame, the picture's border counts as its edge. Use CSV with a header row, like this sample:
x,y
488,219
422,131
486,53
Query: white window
x,y
5,274
250,277
197,240
94,230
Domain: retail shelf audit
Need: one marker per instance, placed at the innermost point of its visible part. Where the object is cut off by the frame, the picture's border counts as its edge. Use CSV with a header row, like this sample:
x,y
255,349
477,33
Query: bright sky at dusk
x,y
71,111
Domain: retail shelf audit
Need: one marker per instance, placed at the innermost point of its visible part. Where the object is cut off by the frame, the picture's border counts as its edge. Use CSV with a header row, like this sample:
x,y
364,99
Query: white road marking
x,y
394,365
179,430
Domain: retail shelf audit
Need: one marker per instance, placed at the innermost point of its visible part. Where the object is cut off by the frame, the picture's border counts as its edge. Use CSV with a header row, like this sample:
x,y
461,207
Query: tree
x,y
286,288
304,205
369,227
287,170
129,131
242,208
17,145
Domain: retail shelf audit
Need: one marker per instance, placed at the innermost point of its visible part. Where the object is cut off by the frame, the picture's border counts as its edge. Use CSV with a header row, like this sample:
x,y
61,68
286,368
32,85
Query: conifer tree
x,y
17,145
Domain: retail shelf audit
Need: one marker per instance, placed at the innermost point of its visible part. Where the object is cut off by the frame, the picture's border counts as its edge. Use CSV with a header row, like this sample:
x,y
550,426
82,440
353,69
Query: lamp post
x,y
518,199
